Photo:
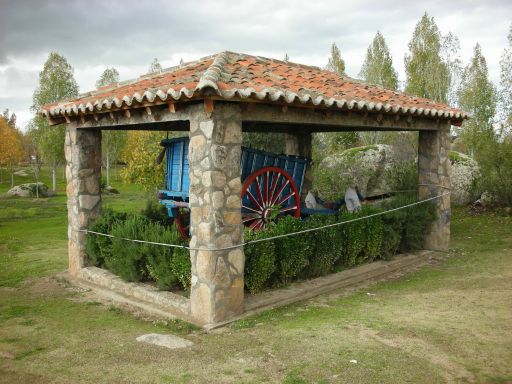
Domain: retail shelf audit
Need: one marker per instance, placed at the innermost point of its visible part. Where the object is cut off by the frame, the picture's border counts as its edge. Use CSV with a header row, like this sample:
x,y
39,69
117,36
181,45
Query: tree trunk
x,y
107,167
36,173
54,176
12,176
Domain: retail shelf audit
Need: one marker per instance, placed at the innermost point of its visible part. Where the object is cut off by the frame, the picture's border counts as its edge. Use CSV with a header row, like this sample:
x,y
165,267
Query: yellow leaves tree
x,y
142,148
11,150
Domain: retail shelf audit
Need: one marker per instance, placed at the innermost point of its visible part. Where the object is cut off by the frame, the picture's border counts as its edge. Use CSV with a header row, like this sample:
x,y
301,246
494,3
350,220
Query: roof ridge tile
x,y
212,75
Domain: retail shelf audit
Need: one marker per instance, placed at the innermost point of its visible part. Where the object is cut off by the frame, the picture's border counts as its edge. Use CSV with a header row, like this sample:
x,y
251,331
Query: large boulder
x,y
367,168
21,173
464,173
29,190
362,166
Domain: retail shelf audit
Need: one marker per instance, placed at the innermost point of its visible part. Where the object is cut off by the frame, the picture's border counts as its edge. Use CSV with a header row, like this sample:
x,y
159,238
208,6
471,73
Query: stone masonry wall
x,y
434,179
83,173
217,291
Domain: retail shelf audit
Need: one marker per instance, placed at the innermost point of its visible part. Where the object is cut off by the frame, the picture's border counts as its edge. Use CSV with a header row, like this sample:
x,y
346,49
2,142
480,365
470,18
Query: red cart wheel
x,y
182,223
268,193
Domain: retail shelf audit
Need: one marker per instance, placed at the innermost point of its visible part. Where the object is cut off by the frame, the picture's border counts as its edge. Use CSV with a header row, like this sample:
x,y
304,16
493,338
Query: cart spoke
x,y
281,189
275,180
253,199
287,209
247,218
256,225
285,198
252,209
265,192
258,192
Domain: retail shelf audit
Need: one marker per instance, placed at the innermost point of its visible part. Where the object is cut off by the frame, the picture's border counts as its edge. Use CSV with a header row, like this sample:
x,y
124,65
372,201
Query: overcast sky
x,y
94,34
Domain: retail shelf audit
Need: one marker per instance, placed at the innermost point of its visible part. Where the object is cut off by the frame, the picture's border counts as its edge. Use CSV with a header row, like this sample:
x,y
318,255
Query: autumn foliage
x,y
11,150
142,148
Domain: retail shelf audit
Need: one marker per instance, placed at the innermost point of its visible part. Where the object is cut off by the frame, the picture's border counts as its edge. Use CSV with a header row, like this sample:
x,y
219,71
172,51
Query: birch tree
x,y
109,76
155,66
378,68
336,63
112,141
56,82
505,93
478,97
339,140
427,74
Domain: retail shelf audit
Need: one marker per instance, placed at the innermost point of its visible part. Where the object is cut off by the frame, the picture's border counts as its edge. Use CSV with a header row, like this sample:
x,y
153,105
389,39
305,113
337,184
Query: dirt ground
x,y
447,322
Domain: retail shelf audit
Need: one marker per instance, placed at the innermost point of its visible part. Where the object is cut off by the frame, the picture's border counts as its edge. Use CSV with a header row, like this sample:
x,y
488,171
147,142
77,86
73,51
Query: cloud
x,y
95,34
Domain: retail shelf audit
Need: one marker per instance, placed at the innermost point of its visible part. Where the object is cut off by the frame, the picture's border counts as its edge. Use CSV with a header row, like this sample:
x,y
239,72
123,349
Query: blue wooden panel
x,y
177,181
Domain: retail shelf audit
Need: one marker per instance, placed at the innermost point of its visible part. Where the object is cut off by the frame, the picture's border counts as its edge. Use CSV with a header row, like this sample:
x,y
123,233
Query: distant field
x,y
447,322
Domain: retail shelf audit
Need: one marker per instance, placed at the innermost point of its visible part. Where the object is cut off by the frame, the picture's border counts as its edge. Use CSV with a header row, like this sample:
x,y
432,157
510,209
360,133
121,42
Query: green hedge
x,y
169,267
268,264
280,261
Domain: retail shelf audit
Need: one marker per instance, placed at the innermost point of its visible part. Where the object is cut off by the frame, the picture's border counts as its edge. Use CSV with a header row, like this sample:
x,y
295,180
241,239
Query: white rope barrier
x,y
272,237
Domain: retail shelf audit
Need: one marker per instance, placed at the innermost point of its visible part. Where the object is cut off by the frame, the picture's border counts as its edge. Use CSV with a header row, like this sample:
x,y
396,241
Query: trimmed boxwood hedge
x,y
268,264
276,263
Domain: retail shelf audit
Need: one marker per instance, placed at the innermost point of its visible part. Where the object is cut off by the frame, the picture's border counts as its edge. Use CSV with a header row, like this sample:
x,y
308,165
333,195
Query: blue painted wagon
x,y
272,185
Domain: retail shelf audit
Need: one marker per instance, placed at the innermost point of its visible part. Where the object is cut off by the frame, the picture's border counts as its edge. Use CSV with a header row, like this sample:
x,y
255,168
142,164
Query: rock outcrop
x,y
30,190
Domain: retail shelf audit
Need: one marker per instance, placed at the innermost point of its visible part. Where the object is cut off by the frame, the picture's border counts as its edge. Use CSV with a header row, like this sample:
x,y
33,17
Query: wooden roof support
x,y
172,107
148,110
127,113
209,105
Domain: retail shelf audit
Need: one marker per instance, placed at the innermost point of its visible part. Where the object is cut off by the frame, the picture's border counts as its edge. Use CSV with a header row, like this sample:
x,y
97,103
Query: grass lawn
x,y
448,322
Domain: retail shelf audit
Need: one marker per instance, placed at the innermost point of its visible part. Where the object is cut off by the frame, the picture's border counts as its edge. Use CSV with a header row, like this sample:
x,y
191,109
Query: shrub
x,y
392,229
353,238
406,227
373,230
293,251
402,176
168,266
98,247
417,222
158,258
156,212
181,267
126,258
496,170
325,248
259,260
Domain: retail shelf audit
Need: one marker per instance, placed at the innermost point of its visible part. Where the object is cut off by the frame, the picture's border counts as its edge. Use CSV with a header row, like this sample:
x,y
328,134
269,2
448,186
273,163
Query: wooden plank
x,y
209,105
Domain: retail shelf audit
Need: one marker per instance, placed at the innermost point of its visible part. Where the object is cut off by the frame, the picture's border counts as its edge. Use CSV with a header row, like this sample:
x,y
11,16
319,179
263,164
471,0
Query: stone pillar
x,y
291,144
83,173
300,144
217,291
434,180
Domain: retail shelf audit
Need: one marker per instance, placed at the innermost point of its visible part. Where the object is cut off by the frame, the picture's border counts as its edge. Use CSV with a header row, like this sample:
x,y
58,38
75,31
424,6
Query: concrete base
x,y
170,305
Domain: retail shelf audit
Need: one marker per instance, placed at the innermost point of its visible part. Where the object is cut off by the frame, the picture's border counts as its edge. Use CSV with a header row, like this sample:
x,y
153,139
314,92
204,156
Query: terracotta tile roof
x,y
239,76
